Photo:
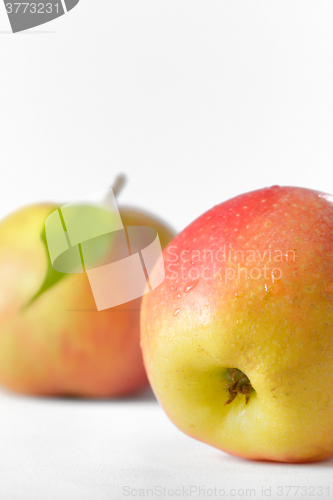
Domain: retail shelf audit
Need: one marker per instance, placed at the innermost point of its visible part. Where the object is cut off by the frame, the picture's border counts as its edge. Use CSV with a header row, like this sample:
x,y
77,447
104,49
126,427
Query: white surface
x,y
196,102
84,450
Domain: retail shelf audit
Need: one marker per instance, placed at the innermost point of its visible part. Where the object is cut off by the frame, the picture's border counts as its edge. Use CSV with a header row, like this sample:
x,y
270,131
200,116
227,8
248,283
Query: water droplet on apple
x,y
177,296
176,312
266,288
190,285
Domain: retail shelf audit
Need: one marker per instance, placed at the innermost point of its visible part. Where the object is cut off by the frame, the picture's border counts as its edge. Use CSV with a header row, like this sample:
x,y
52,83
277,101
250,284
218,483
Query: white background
x,y
196,102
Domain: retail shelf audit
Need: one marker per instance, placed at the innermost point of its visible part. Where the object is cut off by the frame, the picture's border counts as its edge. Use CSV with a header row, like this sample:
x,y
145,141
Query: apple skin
x,y
61,344
277,330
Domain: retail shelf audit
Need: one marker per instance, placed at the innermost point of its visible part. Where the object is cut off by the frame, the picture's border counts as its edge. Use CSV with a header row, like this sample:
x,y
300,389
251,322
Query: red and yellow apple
x,y
238,339
58,343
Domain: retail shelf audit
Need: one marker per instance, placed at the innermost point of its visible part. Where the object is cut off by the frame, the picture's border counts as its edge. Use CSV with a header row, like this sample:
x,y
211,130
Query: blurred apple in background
x,y
53,341
238,339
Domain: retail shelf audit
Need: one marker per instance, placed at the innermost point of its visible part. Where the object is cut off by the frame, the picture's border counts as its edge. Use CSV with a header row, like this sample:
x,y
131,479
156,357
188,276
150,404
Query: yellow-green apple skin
x,y
275,326
60,344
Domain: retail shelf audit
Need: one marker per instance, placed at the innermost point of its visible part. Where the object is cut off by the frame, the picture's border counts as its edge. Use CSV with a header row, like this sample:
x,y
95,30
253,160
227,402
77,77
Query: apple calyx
x,y
237,383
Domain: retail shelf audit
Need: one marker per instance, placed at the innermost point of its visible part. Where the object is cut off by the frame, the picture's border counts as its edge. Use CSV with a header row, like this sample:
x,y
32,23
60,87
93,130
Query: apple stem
x,y
118,184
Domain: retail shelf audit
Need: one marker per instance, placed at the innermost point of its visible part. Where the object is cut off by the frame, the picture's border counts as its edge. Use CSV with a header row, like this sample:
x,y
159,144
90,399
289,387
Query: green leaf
x,y
84,221
52,277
